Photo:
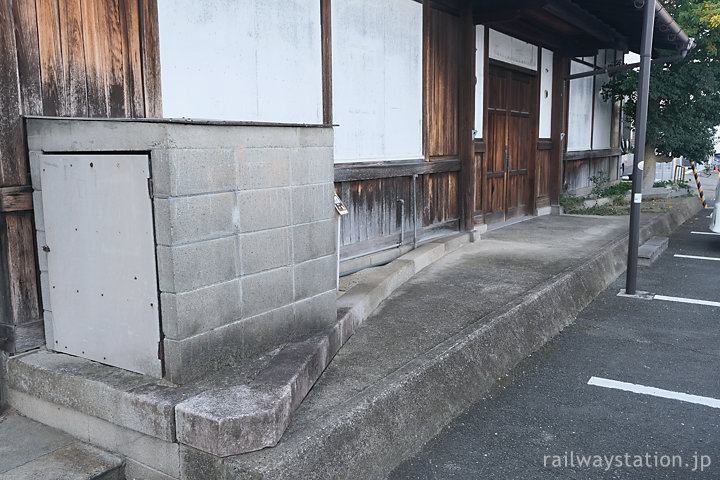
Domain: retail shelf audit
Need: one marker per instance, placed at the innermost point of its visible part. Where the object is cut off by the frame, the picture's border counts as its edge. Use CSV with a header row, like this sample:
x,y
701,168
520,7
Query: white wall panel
x,y
603,110
580,109
546,94
377,79
248,60
479,78
511,50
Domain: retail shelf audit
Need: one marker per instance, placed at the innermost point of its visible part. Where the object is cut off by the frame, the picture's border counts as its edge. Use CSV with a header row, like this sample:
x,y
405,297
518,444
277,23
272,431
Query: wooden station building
x,y
448,114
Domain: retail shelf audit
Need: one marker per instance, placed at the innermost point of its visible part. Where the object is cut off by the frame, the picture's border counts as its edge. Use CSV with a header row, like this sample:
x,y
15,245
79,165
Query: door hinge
x,y
151,192
161,351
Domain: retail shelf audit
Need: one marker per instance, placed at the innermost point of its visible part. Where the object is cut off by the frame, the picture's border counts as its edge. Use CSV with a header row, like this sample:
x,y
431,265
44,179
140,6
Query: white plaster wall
x,y
546,94
511,50
603,110
248,60
479,79
632,57
377,79
582,97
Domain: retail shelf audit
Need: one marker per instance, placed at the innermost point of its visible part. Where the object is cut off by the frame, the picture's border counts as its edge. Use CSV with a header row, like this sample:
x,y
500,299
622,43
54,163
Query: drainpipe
x,y
641,117
382,249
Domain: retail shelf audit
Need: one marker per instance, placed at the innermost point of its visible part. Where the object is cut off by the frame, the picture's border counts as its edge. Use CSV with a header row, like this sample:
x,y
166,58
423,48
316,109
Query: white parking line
x,y
655,392
705,233
686,300
640,295
697,257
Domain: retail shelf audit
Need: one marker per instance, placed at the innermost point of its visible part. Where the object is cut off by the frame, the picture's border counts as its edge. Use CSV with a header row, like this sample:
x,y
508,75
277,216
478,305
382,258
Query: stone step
x,y
651,250
38,452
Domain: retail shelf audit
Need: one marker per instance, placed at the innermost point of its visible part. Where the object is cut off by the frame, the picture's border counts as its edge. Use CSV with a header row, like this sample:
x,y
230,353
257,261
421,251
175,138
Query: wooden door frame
x,y
535,74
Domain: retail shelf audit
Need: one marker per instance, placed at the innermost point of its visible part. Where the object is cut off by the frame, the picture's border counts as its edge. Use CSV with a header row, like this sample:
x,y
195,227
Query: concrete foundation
x,y
244,228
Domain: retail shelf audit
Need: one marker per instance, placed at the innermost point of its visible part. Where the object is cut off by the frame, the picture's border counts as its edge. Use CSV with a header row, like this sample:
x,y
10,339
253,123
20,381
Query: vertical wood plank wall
x,y
479,152
579,170
66,58
442,82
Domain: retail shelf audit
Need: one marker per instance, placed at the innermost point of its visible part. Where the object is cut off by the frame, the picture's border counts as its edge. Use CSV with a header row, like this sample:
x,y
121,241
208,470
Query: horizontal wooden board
x,y
16,199
348,173
588,154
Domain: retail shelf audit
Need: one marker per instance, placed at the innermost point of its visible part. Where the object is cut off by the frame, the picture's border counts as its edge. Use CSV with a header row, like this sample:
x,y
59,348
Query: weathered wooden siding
x,y
68,58
86,56
479,175
579,167
440,198
374,208
372,195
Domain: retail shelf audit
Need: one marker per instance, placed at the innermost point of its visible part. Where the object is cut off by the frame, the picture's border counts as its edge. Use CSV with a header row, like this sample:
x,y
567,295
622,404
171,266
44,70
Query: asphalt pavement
x,y
548,419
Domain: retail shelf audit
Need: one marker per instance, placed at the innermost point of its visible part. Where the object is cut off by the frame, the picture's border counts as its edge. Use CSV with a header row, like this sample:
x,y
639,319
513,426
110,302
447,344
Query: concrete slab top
x,y
399,357
131,400
30,440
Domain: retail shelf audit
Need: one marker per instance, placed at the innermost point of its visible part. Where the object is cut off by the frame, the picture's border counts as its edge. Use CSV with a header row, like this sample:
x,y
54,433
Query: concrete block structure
x,y
244,229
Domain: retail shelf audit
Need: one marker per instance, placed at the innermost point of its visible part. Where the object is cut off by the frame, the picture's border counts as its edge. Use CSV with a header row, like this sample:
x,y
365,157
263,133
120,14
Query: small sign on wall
x,y
340,206
511,50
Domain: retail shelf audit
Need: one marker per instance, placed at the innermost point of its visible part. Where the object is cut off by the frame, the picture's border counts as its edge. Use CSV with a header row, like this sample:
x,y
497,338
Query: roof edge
x,y
668,25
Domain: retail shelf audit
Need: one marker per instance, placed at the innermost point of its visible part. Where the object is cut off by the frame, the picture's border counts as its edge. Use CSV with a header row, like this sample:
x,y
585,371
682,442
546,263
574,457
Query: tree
x,y
684,98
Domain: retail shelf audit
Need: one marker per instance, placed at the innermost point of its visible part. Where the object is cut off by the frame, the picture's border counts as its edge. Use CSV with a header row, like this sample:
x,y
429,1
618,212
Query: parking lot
x,y
631,390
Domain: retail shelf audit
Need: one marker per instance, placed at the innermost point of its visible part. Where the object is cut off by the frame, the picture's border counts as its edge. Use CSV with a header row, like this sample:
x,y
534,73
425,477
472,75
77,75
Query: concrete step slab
x,y
76,461
651,250
24,440
32,451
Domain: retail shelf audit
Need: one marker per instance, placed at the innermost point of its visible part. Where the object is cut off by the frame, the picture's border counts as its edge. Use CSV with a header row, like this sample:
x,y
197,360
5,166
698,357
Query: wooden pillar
x,y
466,120
150,52
426,14
20,319
326,34
558,129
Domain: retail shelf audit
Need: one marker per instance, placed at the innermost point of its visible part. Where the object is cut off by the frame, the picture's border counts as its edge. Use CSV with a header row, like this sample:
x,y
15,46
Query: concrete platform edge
x,y
396,418
203,422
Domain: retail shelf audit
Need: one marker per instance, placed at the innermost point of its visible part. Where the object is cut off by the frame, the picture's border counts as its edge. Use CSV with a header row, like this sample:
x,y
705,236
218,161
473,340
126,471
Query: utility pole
x,y
641,132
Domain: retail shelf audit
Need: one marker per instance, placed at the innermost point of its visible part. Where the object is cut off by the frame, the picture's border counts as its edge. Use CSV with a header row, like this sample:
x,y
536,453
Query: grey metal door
x,y
101,259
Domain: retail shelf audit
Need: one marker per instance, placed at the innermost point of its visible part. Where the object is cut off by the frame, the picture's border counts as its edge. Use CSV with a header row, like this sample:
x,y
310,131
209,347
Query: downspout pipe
x,y
649,10
629,66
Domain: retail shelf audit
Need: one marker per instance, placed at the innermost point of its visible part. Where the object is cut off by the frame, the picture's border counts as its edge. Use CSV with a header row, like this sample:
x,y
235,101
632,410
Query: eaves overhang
x,y
581,27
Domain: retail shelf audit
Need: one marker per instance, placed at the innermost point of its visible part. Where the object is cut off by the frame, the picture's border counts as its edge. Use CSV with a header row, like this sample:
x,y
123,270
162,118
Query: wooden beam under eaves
x,y
564,45
499,11
582,19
